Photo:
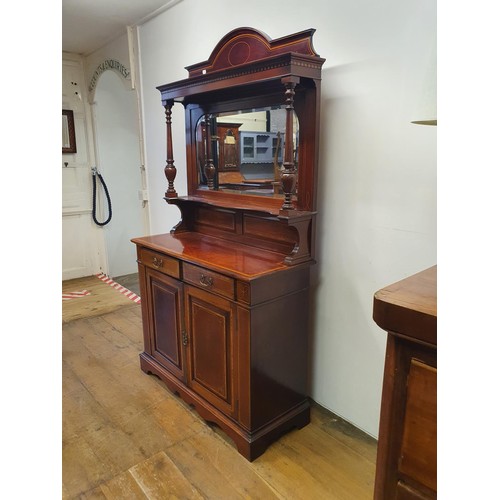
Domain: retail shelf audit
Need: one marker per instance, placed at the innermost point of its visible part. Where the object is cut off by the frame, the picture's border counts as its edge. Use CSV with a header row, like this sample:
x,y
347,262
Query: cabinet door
x,y
166,321
229,147
211,348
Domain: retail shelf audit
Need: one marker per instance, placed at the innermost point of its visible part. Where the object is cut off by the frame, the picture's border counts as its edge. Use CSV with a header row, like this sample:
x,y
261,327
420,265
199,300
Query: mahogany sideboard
x,y
407,446
225,294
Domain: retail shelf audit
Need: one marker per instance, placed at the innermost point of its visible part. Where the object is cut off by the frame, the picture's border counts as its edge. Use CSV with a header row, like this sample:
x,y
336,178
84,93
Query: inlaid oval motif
x,y
239,53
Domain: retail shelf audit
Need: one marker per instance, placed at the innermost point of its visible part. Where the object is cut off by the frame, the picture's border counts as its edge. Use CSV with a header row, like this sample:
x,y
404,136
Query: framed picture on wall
x,y
68,132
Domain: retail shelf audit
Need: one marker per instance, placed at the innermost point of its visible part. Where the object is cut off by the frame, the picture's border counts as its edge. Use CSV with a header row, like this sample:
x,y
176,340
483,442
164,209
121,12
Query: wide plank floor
x,y
125,436
101,298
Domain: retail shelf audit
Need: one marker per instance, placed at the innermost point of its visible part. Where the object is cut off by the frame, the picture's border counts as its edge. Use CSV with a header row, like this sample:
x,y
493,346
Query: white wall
x,y
119,152
82,244
377,176
119,162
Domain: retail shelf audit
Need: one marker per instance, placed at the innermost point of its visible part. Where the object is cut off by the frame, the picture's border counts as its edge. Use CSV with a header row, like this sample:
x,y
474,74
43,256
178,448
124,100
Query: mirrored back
x,y
243,151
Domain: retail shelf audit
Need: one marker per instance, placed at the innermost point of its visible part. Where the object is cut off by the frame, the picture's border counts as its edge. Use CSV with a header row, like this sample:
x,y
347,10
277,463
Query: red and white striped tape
x,y
125,291
75,295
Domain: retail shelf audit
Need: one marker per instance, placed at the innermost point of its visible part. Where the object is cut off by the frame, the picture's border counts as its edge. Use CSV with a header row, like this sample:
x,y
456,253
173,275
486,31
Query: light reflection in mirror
x,y
247,150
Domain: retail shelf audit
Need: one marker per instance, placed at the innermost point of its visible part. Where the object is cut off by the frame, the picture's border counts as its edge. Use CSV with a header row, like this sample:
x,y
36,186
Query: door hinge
x,y
184,338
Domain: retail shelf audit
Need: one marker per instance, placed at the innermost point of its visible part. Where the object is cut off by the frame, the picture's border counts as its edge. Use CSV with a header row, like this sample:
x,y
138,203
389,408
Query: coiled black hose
x,y
96,174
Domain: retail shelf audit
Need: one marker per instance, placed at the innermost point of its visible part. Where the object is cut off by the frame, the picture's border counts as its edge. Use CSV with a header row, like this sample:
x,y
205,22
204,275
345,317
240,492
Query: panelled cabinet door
x,y
211,348
166,320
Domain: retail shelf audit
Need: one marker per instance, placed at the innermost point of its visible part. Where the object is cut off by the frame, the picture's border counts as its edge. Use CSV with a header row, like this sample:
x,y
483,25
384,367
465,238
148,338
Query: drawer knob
x,y
157,262
206,281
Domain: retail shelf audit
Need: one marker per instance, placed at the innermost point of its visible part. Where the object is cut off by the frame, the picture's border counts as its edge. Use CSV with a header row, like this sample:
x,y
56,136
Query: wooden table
x,y
406,454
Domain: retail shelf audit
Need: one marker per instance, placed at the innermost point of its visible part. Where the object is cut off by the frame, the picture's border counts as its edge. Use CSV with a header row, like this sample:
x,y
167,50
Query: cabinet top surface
x,y
215,253
409,307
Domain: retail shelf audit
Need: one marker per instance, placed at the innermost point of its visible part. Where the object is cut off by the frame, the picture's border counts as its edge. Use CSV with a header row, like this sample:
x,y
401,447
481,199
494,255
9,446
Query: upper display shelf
x,y
252,119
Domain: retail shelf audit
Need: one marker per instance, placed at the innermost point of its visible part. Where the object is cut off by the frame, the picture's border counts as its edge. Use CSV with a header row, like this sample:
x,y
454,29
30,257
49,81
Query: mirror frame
x,y
70,132
276,96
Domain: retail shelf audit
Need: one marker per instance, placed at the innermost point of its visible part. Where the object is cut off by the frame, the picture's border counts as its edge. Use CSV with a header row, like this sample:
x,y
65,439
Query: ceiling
x,y
88,25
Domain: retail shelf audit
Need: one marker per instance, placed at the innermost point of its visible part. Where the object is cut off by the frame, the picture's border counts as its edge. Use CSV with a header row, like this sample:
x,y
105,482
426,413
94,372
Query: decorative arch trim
x,y
108,64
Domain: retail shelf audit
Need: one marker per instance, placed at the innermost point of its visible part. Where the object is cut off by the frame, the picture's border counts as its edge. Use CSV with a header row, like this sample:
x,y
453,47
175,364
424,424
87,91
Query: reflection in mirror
x,y
246,149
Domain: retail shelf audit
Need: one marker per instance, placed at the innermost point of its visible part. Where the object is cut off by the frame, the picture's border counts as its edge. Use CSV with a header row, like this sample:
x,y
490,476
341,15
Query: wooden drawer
x,y
160,261
209,280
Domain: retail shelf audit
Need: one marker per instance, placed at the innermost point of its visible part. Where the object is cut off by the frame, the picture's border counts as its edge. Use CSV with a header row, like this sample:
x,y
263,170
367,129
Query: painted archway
x,y
117,144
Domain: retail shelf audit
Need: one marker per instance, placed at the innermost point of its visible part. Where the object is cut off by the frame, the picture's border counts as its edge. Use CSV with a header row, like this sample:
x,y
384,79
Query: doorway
x,y
119,162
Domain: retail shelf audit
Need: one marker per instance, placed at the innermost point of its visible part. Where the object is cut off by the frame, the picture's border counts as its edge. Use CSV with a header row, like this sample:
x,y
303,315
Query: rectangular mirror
x,y
68,132
246,150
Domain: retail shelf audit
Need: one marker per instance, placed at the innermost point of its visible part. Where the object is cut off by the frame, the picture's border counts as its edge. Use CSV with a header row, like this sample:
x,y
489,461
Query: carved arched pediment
x,y
245,45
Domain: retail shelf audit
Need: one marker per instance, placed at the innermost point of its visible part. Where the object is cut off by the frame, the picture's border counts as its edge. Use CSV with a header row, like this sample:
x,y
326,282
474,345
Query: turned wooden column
x,y
209,162
289,174
170,170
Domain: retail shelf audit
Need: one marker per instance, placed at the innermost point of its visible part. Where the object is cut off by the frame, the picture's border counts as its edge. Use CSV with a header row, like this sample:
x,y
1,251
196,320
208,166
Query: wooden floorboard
x,y
101,300
125,436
